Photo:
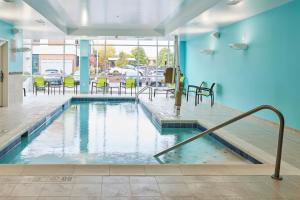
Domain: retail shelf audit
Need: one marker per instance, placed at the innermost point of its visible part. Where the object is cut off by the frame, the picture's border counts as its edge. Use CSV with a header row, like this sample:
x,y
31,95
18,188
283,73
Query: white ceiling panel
x,y
127,17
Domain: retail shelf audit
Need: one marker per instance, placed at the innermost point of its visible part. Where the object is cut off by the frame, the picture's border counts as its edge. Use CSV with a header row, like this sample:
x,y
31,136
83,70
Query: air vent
x,y
10,1
233,2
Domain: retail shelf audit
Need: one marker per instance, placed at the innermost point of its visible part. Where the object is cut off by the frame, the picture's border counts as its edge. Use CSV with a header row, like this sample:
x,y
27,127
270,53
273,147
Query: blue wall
x,y
182,56
84,65
15,59
267,73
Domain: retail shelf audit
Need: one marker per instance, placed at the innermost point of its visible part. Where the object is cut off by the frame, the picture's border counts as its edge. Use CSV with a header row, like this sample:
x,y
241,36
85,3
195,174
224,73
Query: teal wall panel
x,y
267,73
14,41
84,66
182,56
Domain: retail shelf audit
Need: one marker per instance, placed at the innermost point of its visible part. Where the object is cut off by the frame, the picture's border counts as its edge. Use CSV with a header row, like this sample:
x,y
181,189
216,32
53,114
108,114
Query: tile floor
x,y
148,187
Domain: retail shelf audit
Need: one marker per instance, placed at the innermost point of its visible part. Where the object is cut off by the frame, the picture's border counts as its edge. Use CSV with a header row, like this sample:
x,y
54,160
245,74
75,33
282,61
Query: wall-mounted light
x,y
15,31
207,52
239,46
215,35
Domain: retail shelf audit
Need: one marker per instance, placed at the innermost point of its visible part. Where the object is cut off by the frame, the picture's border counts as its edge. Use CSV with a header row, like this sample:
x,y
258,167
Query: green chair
x,y
207,92
194,89
101,82
69,82
129,83
39,83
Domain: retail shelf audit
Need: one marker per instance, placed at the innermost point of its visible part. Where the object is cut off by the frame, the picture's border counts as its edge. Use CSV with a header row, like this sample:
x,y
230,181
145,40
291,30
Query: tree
x,y
140,56
110,53
123,59
163,57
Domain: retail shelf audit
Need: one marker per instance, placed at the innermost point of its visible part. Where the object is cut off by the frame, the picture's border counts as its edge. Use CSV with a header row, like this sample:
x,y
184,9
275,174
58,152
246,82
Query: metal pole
x,y
178,74
97,63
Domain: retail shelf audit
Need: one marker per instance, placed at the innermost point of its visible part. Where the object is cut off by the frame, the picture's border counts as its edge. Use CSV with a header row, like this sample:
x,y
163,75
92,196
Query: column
x,y
84,66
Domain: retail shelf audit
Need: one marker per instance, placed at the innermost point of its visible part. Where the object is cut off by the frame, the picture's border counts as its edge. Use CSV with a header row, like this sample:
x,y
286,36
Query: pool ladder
x,y
276,174
143,90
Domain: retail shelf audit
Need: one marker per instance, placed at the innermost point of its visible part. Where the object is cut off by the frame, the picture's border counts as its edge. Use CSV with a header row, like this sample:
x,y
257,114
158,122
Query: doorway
x,y
3,72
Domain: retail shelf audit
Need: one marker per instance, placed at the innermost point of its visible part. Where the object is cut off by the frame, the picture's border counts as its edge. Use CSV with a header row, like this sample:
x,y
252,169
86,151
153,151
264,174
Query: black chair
x,y
193,89
207,92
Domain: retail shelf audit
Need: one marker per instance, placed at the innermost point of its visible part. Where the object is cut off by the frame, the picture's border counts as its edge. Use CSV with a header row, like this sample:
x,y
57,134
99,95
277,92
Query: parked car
x,y
131,73
53,76
156,76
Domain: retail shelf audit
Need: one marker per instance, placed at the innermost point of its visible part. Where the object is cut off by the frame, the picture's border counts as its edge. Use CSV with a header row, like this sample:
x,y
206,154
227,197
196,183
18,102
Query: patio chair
x,y
69,82
193,89
39,83
207,92
101,82
129,83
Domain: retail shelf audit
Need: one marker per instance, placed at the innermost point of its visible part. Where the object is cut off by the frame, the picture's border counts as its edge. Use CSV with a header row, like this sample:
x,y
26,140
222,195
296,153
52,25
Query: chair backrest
x,y
69,81
130,82
39,81
101,82
202,84
212,87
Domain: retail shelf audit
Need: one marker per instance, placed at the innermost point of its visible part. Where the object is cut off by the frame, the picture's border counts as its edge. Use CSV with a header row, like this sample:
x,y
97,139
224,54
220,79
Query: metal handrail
x,y
276,175
143,90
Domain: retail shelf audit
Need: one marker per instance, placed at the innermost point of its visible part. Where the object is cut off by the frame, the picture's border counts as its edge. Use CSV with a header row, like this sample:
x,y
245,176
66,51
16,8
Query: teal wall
x,y
84,66
267,73
15,59
182,56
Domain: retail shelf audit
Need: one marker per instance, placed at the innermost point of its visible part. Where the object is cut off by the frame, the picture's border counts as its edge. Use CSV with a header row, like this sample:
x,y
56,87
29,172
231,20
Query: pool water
x,y
111,132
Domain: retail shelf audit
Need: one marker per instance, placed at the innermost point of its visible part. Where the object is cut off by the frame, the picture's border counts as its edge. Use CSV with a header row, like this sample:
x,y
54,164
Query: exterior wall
x,y
14,86
266,73
57,57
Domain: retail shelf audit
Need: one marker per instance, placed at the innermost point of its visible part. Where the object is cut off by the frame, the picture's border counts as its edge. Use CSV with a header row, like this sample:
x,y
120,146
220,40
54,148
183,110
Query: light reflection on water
x,y
113,132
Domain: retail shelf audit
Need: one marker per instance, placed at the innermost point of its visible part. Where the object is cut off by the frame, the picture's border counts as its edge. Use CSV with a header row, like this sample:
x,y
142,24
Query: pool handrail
x,y
276,174
143,90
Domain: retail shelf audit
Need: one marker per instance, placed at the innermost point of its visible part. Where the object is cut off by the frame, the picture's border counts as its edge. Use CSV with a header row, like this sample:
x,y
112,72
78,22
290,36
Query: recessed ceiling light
x,y
233,2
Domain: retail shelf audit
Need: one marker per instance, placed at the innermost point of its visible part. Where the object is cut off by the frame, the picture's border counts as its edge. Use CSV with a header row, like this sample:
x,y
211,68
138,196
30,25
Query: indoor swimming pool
x,y
113,132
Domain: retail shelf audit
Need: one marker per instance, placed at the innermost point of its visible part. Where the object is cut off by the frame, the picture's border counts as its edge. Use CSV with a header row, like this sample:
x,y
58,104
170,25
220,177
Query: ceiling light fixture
x,y
233,2
84,17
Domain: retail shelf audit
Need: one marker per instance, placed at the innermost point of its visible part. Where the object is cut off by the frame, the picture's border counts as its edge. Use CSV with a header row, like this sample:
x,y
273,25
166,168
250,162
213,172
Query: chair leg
x,y
187,96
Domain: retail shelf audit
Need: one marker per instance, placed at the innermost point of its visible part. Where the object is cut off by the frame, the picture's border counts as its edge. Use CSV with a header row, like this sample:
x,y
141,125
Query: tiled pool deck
x,y
215,181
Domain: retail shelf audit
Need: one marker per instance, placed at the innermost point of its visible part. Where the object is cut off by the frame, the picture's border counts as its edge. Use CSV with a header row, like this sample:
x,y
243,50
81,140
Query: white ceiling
x,y
67,18
120,17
